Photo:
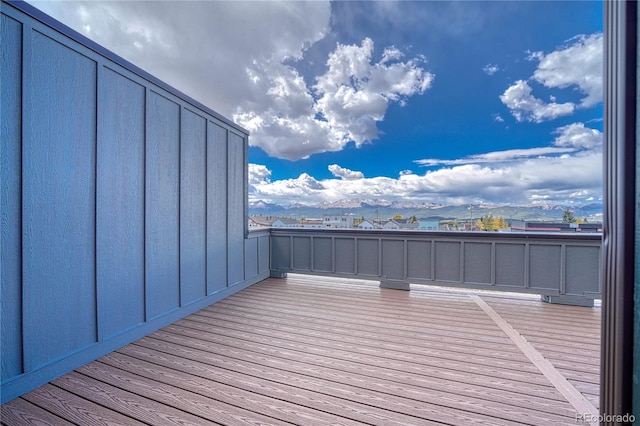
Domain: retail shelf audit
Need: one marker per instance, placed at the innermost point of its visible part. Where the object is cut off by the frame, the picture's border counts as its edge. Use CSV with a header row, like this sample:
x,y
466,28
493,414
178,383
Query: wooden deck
x,y
312,350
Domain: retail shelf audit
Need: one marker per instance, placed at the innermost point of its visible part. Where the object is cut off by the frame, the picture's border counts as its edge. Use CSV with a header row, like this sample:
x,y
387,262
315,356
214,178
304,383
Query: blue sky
x,y
434,102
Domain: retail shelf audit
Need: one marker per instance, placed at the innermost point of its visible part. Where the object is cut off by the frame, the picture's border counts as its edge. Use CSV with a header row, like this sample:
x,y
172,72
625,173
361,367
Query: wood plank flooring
x,y
310,350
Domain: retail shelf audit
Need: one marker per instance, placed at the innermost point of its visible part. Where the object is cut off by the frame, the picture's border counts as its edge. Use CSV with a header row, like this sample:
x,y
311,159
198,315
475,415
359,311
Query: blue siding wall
x,y
123,203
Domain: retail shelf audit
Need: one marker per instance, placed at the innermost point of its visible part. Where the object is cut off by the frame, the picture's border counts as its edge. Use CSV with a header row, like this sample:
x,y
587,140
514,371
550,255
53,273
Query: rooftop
x,y
321,350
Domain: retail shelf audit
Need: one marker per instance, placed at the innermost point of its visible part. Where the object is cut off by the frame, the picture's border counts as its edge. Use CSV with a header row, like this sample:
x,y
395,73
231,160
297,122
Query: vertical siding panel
x,y
251,257
10,176
236,215
59,201
162,205
263,254
193,198
120,204
216,208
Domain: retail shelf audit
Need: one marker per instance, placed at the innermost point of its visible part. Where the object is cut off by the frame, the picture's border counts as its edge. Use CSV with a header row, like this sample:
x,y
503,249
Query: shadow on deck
x,y
315,350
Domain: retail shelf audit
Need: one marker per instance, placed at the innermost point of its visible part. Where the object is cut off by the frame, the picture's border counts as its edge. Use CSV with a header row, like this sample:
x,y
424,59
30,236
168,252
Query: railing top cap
x,y
592,236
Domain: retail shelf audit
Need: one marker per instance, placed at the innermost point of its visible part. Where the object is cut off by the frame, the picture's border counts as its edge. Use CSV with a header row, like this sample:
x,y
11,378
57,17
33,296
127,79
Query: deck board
x,y
22,412
314,350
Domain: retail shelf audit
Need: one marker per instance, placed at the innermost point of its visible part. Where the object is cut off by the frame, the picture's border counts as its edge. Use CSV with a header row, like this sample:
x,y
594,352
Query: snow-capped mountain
x,y
385,208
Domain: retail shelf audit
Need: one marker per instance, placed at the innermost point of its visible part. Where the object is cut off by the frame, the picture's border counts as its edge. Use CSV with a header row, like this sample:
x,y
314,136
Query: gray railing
x,y
562,268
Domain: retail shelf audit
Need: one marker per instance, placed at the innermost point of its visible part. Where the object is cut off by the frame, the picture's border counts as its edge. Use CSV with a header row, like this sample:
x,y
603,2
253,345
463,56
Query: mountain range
x,y
383,209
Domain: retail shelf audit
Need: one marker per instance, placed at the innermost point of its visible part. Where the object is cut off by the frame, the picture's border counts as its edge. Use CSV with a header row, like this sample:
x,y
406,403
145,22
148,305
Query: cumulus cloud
x,y
549,178
526,107
577,136
206,49
304,188
343,173
570,168
578,65
258,175
291,120
239,59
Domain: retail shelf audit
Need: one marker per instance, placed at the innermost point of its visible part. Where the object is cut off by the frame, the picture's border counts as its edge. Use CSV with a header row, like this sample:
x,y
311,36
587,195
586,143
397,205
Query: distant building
x,y
526,226
390,224
428,225
338,221
311,223
400,224
286,222
261,221
365,224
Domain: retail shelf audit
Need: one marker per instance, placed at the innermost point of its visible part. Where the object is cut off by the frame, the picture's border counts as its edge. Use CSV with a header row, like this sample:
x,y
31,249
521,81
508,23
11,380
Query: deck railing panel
x,y
322,254
392,259
558,265
368,253
510,263
447,261
545,266
302,253
419,260
344,255
582,271
476,269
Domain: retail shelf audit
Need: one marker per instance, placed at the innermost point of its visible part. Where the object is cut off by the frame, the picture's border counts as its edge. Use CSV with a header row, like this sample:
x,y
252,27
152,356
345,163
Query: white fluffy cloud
x,y
577,136
343,173
569,169
526,107
258,175
203,48
291,120
239,59
577,65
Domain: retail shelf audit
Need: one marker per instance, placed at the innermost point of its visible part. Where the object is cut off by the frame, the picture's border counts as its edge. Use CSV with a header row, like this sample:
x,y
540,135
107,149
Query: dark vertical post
x,y
619,210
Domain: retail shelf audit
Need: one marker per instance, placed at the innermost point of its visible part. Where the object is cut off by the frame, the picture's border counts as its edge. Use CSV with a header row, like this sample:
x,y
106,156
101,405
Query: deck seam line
x,y
573,396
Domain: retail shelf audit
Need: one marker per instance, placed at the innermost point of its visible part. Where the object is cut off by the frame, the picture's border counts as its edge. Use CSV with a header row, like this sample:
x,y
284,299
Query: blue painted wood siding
x,y
123,203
